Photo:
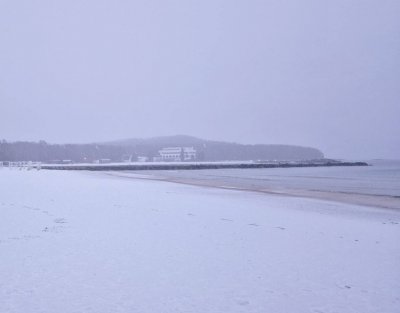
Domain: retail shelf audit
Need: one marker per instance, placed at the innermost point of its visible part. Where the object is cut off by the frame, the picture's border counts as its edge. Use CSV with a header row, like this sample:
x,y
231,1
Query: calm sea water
x,y
382,177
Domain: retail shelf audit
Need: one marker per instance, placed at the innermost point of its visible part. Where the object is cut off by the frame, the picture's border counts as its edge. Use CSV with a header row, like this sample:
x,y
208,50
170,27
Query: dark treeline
x,y
131,149
44,152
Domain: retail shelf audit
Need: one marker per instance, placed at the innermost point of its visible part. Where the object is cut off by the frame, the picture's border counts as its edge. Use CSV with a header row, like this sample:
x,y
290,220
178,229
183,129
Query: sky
x,y
324,74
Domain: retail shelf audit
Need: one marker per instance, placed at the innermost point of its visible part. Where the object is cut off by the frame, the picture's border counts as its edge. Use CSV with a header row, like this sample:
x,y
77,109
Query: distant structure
x,y
178,154
102,161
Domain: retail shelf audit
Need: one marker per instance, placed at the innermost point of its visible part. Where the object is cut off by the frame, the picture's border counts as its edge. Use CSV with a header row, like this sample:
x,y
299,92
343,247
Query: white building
x,y
177,154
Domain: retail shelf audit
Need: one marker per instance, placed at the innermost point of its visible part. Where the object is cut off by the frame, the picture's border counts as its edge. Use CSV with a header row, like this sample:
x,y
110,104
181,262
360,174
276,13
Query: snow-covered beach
x,y
90,242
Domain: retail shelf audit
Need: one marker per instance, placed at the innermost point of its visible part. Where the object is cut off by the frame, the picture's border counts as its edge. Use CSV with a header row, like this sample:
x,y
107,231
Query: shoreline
x,y
375,201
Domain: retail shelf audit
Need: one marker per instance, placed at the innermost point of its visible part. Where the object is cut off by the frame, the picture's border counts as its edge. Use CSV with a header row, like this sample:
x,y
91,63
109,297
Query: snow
x,y
88,242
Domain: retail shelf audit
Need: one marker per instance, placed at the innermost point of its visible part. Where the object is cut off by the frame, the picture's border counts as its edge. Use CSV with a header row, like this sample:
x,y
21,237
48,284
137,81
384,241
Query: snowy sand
x,y
84,242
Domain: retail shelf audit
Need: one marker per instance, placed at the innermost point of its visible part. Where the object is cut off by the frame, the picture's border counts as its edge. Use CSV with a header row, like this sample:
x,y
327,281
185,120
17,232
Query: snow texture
x,y
88,242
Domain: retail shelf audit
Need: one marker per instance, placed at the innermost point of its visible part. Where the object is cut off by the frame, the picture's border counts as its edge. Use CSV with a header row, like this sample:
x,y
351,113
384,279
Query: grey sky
x,y
318,73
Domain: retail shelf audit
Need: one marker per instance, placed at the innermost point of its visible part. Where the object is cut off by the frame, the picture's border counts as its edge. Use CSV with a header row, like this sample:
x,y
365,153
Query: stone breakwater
x,y
192,166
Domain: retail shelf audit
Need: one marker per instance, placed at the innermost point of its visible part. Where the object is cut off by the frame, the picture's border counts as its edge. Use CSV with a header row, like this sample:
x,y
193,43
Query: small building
x,y
102,161
178,154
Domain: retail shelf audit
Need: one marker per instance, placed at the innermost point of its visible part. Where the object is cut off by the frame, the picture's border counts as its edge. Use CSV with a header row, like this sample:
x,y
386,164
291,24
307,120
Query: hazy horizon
x,y
309,73
219,140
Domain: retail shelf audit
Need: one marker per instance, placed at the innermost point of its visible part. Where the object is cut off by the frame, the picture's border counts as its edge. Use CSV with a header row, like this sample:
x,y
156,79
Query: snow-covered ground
x,y
88,242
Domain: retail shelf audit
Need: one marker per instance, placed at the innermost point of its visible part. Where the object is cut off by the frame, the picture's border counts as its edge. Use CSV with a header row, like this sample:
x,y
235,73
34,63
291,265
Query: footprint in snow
x,y
28,237
343,286
243,302
226,219
253,224
31,208
54,229
60,220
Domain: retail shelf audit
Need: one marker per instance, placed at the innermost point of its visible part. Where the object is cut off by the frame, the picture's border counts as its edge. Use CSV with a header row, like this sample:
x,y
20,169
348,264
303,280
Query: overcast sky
x,y
317,73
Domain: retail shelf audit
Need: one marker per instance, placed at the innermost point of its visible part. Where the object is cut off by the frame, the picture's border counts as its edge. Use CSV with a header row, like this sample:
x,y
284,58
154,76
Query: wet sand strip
x,y
377,201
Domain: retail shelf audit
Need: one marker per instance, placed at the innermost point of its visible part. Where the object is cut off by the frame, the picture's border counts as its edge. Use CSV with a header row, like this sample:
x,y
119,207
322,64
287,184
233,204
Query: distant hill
x,y
207,150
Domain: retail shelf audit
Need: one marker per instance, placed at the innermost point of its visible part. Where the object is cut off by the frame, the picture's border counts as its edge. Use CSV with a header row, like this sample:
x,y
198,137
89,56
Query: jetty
x,y
194,165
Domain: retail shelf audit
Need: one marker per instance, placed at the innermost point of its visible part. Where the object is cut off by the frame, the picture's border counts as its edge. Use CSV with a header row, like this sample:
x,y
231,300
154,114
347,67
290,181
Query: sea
x,y
379,178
